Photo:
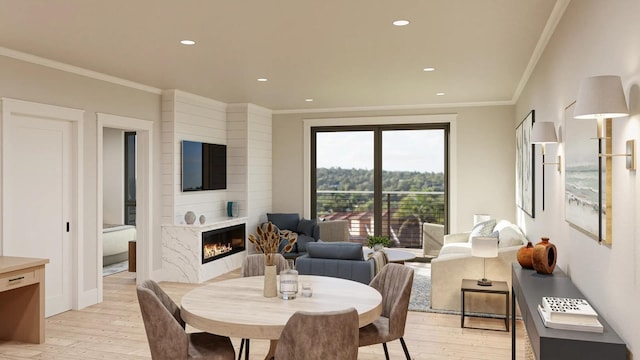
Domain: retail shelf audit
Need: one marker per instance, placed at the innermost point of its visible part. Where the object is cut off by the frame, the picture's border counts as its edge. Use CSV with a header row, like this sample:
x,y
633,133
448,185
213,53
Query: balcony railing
x,y
403,213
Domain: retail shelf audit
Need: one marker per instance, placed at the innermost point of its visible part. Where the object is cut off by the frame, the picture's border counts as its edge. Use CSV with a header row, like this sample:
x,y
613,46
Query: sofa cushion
x,y
484,228
509,234
305,226
285,221
303,241
455,248
335,250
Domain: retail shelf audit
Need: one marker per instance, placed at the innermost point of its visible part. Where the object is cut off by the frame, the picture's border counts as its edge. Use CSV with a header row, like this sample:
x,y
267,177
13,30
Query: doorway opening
x,y
131,205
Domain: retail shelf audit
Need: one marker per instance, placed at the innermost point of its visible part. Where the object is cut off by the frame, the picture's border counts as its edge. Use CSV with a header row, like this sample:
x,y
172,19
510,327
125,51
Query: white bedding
x,y
115,238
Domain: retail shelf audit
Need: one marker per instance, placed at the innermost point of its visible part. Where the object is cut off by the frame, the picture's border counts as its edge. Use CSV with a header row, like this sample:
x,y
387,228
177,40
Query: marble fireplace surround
x,y
182,252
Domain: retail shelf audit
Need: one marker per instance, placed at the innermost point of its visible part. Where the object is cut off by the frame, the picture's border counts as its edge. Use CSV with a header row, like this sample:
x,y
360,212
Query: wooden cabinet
x,y
22,299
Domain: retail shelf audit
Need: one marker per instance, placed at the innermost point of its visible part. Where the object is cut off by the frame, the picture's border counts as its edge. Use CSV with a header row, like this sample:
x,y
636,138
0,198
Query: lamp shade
x,y
600,97
484,246
478,218
543,132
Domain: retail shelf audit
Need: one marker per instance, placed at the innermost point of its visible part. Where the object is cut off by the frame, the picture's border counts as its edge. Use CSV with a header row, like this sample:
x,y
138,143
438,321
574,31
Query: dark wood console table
x,y
528,288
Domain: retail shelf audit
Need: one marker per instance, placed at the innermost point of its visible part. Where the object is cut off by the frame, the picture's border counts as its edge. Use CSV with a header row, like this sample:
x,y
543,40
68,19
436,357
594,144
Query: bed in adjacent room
x,y
115,242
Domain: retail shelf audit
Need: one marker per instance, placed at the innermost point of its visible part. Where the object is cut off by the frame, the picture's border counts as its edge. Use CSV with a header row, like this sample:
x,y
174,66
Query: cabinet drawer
x,y
16,279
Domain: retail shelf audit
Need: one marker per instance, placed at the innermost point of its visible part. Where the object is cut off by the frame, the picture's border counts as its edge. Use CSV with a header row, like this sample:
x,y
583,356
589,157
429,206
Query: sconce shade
x,y
543,132
484,246
600,97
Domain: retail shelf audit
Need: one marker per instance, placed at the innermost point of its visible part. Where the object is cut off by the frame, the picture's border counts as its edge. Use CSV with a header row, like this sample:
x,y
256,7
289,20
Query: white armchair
x,y
455,263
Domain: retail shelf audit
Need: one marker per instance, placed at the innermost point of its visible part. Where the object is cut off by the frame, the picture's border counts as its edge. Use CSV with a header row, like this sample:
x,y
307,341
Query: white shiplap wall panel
x,y
246,122
245,129
236,152
259,162
194,118
167,160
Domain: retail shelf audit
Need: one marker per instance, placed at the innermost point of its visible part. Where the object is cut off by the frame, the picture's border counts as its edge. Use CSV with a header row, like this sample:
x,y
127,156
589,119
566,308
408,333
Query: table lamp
x,y
484,247
478,218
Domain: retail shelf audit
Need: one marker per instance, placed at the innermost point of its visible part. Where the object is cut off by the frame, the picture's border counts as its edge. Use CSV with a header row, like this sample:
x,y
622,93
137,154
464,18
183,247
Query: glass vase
x,y
289,281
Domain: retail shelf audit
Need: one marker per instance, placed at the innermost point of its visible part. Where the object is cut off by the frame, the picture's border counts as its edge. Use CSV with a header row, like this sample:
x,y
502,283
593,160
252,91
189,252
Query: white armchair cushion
x,y
509,234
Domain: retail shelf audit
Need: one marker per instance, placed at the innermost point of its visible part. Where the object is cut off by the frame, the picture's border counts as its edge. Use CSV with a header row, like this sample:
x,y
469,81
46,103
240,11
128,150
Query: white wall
x,y
26,81
113,176
483,143
593,38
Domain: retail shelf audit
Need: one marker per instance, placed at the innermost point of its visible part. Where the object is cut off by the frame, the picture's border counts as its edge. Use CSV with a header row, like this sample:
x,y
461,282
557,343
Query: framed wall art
x,y
582,207
525,189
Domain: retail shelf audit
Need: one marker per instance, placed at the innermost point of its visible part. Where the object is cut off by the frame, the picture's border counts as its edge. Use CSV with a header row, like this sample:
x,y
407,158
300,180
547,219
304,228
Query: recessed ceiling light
x,y
427,69
263,79
308,100
187,42
401,22
440,94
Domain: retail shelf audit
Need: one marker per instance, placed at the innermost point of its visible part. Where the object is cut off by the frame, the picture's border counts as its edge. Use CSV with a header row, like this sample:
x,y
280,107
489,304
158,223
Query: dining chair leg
x,y
386,352
241,347
246,350
404,347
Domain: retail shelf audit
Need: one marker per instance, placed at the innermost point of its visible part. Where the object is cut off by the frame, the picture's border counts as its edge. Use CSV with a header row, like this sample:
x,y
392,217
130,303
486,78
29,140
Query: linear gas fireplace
x,y
222,242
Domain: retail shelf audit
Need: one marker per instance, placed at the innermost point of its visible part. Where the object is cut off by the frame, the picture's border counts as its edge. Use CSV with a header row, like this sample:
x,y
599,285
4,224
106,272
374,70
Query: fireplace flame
x,y
211,250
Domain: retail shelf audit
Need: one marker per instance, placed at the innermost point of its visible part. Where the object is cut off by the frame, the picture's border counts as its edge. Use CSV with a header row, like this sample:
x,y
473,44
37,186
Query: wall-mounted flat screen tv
x,y
204,166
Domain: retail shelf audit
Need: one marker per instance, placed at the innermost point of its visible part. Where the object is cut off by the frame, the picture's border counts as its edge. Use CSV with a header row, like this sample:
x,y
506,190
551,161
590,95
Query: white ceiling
x,y
341,53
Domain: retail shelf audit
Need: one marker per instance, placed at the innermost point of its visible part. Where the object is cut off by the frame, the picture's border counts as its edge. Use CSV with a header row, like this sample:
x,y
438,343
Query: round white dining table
x,y
237,307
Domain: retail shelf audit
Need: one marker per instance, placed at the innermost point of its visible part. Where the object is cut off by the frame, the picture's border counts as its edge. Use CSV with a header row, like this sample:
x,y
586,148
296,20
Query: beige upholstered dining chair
x,y
253,265
394,283
380,260
166,334
320,336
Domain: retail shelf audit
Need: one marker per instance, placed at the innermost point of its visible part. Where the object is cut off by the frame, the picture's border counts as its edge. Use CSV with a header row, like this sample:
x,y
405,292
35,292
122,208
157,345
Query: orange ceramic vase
x,y
525,256
544,256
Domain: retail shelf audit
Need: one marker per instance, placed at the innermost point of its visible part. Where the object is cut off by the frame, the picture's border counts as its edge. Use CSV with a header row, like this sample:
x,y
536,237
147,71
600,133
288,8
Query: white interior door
x,y
38,200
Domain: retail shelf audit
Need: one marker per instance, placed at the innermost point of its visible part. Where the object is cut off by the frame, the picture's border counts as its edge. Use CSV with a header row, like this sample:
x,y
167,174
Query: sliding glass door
x,y
385,180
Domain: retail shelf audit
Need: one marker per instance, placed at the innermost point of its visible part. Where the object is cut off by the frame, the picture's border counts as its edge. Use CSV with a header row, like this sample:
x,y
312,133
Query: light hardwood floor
x,y
114,330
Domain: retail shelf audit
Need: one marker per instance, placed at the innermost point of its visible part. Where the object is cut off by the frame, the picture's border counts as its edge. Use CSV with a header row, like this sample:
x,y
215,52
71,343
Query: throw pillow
x,y
302,242
511,235
305,226
285,221
484,228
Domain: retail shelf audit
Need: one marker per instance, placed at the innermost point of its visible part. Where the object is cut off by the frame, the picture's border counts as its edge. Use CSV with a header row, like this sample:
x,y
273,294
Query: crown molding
x,y
18,55
396,107
543,41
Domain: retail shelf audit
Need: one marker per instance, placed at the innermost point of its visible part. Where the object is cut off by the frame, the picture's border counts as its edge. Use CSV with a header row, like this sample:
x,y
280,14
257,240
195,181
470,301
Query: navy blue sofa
x,y
336,259
307,230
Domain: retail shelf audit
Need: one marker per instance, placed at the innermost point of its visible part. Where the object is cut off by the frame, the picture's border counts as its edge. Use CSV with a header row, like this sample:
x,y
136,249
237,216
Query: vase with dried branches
x,y
267,241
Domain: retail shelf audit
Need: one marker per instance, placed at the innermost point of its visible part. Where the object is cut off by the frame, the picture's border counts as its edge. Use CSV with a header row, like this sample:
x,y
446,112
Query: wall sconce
x,y
602,98
544,133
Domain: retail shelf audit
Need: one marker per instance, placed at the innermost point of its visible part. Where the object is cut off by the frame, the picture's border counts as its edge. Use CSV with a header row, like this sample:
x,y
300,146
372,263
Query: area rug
x,y
115,268
420,299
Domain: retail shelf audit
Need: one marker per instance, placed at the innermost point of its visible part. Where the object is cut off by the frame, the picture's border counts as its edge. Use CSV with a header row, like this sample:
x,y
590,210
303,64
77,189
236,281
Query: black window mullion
x,y
377,181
